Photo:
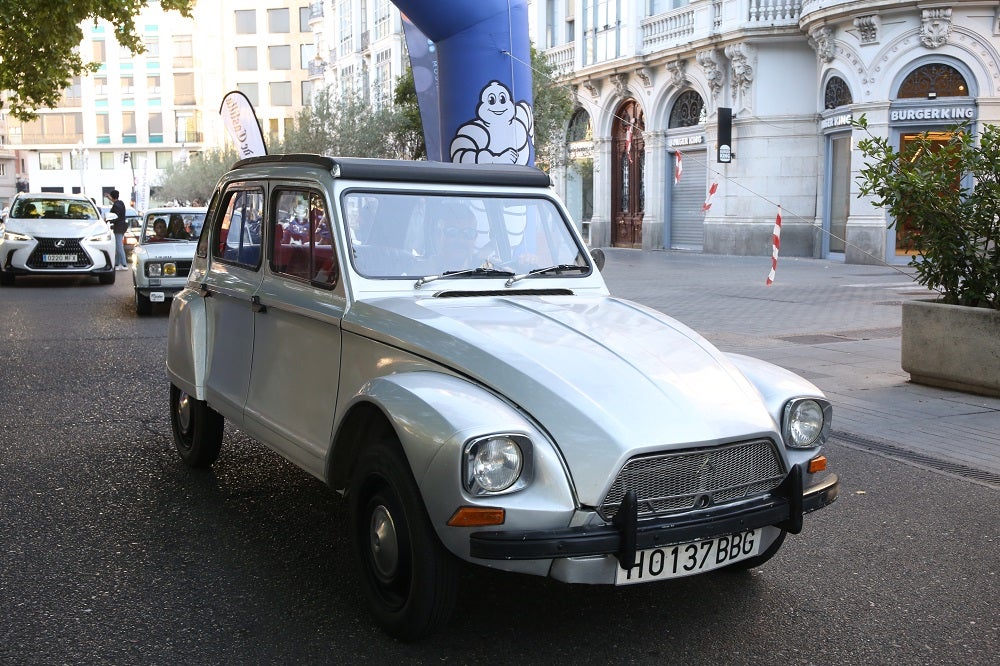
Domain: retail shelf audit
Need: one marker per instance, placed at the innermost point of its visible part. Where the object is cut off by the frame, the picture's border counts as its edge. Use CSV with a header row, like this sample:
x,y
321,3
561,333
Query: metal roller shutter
x,y
687,220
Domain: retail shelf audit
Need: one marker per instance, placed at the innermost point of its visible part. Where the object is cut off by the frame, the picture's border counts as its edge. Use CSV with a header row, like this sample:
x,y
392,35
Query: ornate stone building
x,y
653,78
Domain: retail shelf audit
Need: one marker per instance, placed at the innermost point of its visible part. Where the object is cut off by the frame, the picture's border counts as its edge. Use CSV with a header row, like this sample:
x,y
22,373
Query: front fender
x,y
187,344
775,384
434,414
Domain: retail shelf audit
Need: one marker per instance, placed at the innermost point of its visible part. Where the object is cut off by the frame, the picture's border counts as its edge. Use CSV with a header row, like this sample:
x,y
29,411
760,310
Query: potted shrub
x,y
945,198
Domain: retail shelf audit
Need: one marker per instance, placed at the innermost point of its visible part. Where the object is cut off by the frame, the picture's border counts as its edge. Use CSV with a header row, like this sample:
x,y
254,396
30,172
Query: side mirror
x,y
111,217
597,254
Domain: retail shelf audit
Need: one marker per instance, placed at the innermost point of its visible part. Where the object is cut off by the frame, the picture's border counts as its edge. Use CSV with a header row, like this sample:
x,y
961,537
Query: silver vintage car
x,y
167,238
436,342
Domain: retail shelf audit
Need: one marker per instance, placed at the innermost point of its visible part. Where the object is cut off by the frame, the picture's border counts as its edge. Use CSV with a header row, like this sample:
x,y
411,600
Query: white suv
x,y
55,234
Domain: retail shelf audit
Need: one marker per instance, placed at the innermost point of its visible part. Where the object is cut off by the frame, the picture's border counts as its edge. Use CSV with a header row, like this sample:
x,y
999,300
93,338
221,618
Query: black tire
x,y
758,560
410,580
143,306
197,429
107,278
7,279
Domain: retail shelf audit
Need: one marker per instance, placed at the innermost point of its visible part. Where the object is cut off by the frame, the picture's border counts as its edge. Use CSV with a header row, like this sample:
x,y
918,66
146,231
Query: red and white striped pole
x,y
708,200
775,246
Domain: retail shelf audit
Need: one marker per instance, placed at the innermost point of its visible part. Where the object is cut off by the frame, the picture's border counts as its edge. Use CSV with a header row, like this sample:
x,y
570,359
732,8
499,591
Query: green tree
x,y
39,40
946,199
195,180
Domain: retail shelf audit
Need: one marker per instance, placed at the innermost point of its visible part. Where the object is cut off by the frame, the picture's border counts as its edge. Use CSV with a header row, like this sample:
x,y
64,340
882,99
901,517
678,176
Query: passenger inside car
x,y
159,230
176,228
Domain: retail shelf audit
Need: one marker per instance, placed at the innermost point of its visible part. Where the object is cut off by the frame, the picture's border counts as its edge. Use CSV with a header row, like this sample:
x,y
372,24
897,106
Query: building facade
x,y
654,78
120,127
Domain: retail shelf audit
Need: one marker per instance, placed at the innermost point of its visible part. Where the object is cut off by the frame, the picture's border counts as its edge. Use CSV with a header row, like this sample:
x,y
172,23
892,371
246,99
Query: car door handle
x,y
203,290
256,305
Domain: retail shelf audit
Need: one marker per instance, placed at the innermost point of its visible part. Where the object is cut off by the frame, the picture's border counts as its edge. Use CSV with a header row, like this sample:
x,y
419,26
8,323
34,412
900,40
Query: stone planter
x,y
952,346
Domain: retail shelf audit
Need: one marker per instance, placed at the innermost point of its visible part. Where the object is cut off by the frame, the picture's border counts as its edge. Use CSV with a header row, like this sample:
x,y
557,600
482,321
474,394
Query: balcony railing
x,y
561,58
189,137
667,29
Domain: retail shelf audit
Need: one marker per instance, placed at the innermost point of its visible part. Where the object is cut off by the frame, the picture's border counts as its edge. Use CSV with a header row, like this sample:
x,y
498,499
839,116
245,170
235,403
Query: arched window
x,y
579,127
688,111
837,93
934,80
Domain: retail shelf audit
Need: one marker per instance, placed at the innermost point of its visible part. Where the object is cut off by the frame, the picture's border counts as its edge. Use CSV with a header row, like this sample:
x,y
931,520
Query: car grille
x,y
685,480
183,268
48,246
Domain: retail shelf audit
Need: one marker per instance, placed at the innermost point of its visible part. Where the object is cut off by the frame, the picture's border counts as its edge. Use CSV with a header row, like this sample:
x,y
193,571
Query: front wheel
x,y
7,279
197,429
106,278
410,580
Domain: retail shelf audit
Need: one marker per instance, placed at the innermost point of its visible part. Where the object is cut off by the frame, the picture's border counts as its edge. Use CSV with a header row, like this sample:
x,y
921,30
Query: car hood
x,y
607,378
168,250
49,228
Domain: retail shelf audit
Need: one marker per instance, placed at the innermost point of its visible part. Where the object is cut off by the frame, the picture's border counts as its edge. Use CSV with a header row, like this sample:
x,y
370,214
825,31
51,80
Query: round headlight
x,y
154,270
805,423
493,465
170,269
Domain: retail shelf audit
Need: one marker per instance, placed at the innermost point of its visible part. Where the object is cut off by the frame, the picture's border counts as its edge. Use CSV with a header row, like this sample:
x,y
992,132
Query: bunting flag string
x,y
775,246
678,167
708,200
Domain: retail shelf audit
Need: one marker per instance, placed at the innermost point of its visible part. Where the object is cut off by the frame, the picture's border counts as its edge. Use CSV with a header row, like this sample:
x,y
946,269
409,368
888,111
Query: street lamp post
x,y
82,155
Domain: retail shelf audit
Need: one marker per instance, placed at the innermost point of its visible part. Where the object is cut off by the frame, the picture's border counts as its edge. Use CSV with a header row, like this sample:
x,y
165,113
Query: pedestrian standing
x,y
119,225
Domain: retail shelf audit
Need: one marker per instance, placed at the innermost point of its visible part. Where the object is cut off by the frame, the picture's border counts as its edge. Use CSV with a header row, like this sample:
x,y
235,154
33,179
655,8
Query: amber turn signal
x,y
476,516
817,464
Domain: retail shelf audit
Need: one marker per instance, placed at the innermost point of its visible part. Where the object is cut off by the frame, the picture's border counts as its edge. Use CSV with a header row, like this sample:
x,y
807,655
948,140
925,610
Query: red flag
x,y
678,167
775,245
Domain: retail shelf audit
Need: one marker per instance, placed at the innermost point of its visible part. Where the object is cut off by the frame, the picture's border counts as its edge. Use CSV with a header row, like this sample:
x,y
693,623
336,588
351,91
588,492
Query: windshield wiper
x,y
558,268
479,270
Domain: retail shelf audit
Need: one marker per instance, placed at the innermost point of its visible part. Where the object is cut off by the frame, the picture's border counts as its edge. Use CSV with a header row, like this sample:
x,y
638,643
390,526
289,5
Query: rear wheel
x,y
410,580
197,429
143,306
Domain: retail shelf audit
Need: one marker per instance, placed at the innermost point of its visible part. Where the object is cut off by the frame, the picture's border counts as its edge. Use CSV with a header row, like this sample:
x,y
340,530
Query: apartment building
x,y
121,126
656,81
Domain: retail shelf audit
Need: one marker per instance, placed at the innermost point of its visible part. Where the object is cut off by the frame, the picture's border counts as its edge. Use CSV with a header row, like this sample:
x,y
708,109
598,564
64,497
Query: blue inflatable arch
x,y
471,64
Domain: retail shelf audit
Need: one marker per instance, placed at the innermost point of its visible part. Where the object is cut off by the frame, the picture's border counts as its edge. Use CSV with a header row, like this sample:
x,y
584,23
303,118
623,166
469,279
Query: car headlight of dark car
x,y
497,464
806,422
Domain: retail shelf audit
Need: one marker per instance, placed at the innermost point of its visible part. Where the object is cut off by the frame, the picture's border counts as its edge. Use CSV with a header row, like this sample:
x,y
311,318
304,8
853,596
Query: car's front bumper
x,y
783,508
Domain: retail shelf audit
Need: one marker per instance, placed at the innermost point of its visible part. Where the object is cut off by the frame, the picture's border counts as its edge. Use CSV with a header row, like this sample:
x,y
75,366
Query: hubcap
x,y
184,412
383,543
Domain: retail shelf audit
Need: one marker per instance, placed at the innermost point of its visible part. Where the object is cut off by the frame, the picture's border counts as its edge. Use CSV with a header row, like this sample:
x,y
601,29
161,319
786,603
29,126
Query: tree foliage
x,y
946,199
39,40
195,180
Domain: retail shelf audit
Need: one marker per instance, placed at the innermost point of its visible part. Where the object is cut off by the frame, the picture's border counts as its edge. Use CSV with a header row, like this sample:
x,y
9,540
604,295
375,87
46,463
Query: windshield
x,y
54,209
172,227
420,234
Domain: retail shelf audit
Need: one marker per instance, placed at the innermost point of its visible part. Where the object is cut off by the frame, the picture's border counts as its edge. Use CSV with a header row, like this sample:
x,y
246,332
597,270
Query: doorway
x,y
628,196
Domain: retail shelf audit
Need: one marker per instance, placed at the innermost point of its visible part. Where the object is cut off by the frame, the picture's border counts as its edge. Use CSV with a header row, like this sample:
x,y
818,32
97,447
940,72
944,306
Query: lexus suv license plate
x,y
59,258
687,559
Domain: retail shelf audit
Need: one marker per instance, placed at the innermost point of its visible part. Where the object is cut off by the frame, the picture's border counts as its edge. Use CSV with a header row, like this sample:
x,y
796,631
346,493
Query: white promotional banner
x,y
240,120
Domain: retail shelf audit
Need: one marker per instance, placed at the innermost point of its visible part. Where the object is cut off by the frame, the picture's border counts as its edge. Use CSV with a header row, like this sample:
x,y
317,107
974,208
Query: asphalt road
x,y
112,552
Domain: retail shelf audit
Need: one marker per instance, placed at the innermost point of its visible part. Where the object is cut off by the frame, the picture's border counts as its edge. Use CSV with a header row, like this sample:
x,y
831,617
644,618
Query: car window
x,y
237,232
405,234
54,208
172,226
303,239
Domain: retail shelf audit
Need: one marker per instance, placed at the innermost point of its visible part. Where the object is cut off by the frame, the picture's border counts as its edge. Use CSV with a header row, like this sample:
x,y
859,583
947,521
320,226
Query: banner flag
x,y
241,122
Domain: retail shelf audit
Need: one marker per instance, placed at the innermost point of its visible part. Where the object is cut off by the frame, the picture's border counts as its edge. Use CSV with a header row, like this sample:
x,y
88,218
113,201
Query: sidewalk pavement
x,y
837,325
